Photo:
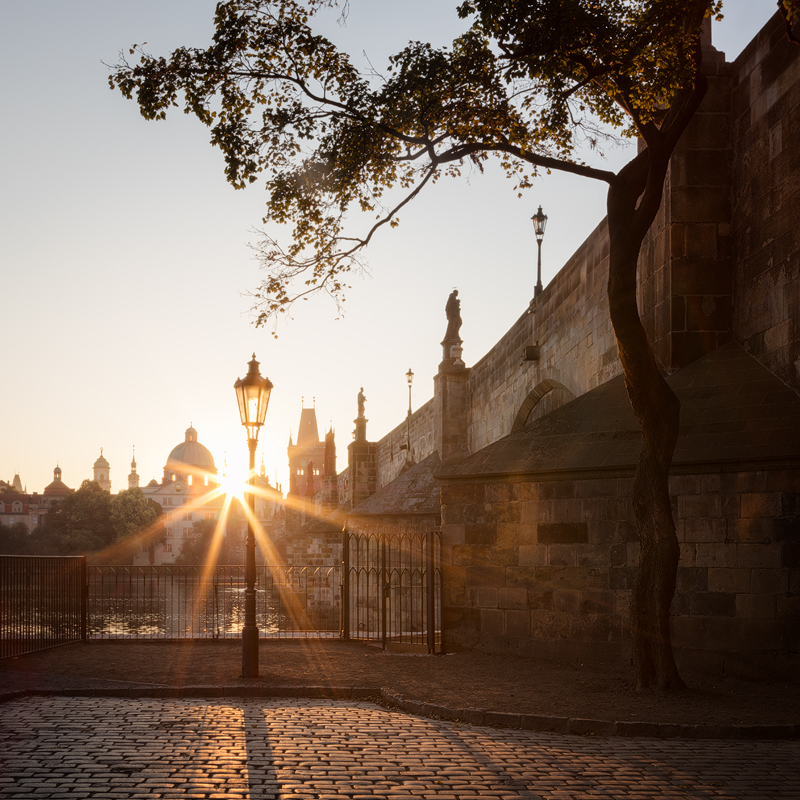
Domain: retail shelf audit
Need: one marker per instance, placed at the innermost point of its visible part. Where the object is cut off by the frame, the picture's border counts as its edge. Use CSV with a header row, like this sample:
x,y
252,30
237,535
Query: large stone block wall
x,y
546,567
685,272
452,410
313,550
766,200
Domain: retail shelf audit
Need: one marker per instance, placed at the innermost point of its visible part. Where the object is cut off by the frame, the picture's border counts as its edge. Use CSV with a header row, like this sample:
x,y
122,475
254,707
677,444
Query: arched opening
x,y
547,396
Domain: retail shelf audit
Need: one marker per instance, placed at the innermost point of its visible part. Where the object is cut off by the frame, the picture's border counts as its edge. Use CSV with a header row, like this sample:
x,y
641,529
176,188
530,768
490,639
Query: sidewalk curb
x,y
591,727
470,716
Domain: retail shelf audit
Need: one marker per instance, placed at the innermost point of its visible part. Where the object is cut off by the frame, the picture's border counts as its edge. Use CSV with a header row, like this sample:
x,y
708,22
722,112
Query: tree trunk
x,y
657,409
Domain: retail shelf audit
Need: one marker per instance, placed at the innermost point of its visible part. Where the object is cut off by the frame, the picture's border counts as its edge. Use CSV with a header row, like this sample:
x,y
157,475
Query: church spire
x,y
133,478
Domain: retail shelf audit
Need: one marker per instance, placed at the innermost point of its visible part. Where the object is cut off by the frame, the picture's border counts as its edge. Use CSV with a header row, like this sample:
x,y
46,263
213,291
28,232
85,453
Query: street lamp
x,y
252,394
539,220
410,379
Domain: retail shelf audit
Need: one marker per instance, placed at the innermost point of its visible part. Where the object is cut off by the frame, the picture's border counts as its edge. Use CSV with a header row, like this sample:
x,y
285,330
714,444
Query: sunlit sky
x,y
126,266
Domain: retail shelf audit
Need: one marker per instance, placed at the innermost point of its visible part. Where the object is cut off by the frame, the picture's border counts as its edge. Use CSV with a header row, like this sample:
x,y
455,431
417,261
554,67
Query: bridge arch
x,y
545,397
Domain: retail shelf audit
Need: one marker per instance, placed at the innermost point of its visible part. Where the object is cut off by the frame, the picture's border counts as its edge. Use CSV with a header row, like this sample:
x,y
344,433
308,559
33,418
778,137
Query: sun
x,y
234,483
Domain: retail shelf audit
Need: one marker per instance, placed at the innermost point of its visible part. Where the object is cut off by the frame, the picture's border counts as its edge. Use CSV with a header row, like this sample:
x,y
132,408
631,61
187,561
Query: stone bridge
x,y
525,458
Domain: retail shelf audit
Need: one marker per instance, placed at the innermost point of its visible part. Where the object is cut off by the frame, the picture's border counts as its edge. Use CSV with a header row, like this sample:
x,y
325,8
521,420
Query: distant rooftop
x,y
307,433
415,491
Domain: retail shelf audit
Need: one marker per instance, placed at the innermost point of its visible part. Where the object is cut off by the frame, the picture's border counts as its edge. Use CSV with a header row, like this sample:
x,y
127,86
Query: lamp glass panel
x,y
240,399
252,408
263,397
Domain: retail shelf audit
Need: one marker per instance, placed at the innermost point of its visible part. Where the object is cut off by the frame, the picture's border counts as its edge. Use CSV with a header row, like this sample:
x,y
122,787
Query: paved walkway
x,y
68,747
479,688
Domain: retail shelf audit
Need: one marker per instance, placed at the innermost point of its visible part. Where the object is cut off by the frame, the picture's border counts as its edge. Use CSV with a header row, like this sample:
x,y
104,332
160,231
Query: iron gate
x,y
392,589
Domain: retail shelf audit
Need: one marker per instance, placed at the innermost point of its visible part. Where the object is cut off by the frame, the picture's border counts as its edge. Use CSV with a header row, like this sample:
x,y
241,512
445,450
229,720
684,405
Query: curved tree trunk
x,y
634,197
657,409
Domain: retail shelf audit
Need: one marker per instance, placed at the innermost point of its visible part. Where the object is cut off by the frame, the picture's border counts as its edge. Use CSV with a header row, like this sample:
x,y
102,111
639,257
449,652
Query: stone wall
x,y
766,199
546,567
313,549
577,350
722,261
685,273
391,455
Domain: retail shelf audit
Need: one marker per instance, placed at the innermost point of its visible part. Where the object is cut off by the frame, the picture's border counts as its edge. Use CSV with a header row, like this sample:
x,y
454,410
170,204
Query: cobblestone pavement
x,y
62,748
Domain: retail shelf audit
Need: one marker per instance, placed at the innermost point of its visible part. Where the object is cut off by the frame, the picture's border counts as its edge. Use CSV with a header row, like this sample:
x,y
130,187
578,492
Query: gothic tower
x,y
307,457
306,463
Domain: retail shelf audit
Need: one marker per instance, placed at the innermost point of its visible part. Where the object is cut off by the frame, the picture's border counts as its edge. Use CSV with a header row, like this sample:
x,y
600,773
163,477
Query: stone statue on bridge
x,y
451,343
453,311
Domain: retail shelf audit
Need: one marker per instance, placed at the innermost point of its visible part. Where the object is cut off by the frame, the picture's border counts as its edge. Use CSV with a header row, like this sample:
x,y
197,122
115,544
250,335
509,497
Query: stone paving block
x,y
326,748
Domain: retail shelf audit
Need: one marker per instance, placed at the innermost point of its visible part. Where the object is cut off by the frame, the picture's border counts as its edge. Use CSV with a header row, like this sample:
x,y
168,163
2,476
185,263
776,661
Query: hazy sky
x,y
126,267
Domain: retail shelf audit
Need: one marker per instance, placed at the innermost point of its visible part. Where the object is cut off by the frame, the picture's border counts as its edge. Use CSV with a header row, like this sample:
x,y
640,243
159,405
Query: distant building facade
x,y
189,491
17,506
101,472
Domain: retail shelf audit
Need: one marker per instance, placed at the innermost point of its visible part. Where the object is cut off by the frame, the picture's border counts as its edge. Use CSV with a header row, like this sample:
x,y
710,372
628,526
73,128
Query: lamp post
x,y
539,220
410,379
252,394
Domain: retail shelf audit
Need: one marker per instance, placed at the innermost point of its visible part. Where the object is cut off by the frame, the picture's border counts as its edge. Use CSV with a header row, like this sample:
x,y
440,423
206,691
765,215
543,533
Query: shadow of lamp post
x,y
252,394
539,223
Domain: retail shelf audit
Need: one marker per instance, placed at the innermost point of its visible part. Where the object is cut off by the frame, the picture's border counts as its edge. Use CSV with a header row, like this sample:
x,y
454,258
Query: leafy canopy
x,y
529,82
85,511
132,513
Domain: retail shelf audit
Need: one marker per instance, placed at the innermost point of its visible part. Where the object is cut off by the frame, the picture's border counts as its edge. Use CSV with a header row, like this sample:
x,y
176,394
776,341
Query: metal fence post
x,y
384,589
345,584
430,591
440,601
84,589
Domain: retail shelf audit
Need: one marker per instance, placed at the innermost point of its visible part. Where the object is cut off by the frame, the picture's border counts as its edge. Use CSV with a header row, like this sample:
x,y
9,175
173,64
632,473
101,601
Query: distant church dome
x,y
57,488
101,462
189,457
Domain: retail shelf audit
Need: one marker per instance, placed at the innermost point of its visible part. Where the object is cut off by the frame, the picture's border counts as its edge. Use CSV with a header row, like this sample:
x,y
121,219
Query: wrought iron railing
x,y
389,589
42,602
393,589
181,602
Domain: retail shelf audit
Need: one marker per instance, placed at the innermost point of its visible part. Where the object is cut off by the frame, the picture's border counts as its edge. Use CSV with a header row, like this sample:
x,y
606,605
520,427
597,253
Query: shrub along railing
x,y
42,602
